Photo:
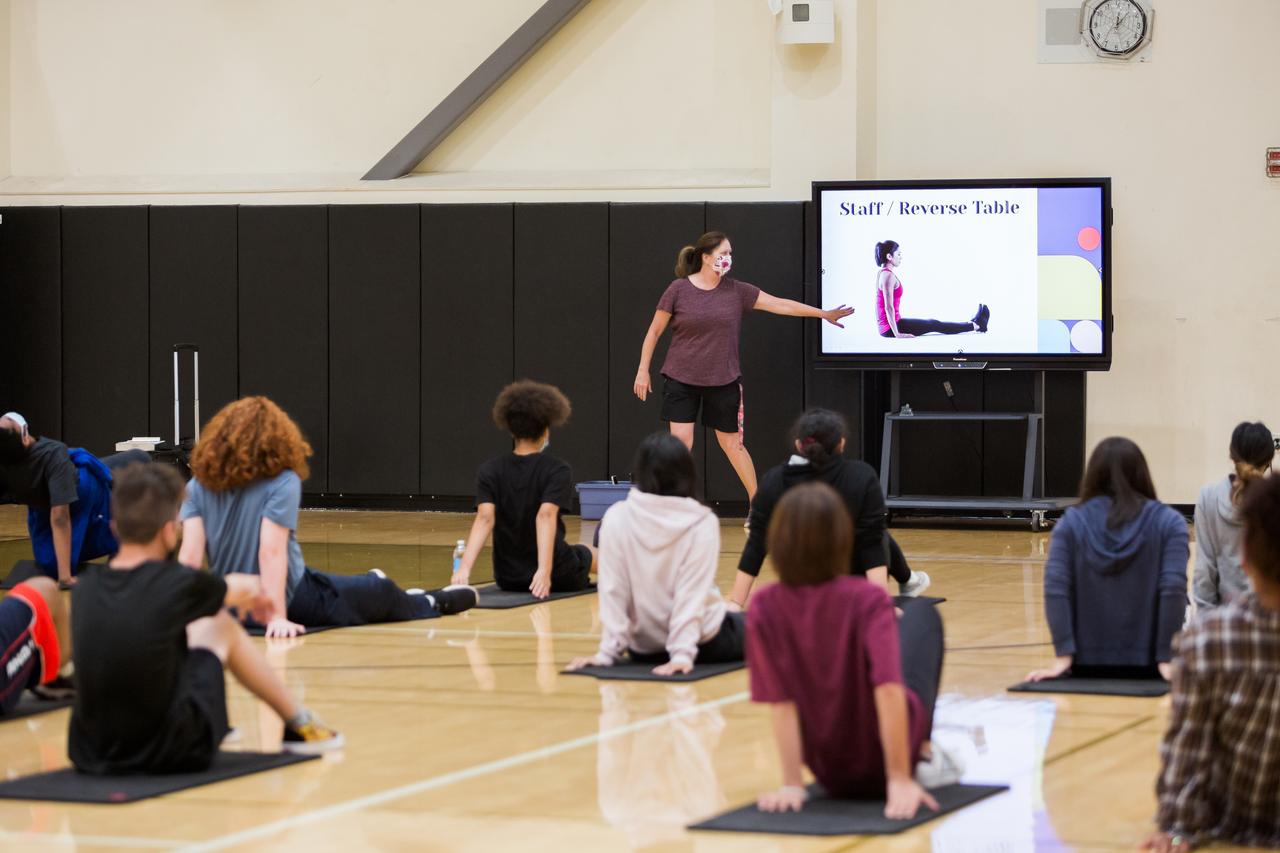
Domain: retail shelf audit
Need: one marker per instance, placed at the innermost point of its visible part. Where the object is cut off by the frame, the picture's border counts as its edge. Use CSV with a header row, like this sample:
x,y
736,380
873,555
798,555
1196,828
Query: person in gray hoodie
x,y
1115,583
1219,577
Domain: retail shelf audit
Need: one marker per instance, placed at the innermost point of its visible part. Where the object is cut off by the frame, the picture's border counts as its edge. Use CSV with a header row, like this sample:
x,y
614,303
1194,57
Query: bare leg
x,y
684,432
226,638
53,599
740,459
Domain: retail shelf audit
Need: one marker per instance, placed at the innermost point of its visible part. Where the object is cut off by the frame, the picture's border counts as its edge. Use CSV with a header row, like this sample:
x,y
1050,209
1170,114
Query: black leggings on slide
x,y
898,568
921,639
911,326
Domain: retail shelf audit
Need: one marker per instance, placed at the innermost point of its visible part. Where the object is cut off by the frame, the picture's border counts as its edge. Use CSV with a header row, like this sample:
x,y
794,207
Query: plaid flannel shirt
x,y
1221,755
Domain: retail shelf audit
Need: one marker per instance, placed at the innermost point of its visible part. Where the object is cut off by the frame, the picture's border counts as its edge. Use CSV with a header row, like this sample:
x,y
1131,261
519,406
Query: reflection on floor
x,y
463,735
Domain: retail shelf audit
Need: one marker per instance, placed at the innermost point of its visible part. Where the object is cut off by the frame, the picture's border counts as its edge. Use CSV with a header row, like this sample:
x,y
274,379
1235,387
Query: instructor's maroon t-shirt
x,y
704,330
826,647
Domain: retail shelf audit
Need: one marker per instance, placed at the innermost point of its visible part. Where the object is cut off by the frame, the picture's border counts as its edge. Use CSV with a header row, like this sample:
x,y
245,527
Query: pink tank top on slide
x,y
885,328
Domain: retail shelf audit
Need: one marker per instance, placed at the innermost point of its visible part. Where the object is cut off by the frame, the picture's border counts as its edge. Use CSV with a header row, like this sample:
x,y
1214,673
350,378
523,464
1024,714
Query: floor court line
x,y
77,839
477,632
391,794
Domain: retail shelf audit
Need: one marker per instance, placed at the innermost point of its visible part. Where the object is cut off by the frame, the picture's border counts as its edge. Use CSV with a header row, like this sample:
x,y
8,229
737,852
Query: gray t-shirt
x,y
233,523
705,326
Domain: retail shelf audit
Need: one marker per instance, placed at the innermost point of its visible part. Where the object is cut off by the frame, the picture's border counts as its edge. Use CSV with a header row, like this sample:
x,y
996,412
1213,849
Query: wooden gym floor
x,y
462,734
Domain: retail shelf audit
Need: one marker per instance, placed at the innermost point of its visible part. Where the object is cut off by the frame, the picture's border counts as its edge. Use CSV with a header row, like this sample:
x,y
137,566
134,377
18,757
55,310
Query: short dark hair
x,y
144,498
1118,470
527,409
1260,512
819,432
884,249
12,450
664,466
810,535
1252,450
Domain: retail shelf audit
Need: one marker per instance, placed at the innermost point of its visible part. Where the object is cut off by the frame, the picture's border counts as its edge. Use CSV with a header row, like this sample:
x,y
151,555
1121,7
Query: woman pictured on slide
x,y
889,292
704,308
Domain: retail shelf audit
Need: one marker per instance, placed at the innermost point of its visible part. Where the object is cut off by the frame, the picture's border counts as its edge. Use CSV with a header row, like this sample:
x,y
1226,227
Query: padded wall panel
x,y
1004,445
284,319
643,242
467,345
104,325
562,321
1064,440
31,305
374,354
192,253
768,248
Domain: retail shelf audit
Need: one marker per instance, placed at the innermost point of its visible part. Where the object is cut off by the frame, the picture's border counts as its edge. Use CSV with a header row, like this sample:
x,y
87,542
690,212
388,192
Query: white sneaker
x,y
378,573
944,767
916,584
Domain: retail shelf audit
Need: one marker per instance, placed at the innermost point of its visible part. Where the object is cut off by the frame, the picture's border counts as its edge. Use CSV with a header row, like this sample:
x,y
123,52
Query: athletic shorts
x,y
718,403
190,737
29,654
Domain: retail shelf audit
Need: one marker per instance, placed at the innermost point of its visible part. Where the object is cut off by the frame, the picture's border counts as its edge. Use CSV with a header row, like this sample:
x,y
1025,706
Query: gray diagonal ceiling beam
x,y
471,92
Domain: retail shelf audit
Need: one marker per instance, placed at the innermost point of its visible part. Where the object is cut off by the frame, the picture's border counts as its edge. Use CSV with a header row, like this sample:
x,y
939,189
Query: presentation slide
x,y
1031,255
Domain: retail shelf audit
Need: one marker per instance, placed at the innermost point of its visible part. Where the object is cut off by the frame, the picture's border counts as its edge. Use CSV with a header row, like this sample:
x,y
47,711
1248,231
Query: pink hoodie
x,y
658,558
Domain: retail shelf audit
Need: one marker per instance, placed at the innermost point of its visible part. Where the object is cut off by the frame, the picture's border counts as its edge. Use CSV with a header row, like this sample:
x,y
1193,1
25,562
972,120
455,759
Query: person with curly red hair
x,y
242,508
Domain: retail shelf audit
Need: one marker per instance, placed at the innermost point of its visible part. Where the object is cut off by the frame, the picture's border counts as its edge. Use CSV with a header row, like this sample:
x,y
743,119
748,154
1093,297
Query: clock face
x,y
1117,27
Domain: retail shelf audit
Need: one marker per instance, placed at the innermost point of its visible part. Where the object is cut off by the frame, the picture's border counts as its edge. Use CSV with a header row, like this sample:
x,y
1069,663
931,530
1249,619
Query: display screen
x,y
1009,272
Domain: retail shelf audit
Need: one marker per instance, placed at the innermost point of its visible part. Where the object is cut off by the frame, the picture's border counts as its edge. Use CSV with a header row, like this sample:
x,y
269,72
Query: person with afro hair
x,y
520,496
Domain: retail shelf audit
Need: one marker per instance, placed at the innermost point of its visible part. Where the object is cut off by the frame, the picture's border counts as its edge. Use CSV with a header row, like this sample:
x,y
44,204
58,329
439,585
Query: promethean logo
x,y
19,660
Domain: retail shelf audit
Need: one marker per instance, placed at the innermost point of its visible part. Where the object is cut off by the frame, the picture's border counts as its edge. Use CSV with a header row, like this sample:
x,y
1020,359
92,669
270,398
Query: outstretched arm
x,y
791,308
656,328
904,795
486,514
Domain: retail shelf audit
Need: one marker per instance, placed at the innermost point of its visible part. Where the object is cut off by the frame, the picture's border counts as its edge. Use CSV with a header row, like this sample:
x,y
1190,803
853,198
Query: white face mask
x,y
545,444
722,264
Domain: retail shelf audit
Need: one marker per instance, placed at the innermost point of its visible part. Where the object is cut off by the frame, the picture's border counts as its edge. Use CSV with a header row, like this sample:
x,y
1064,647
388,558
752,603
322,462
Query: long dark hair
x,y
884,250
664,466
1118,470
1252,449
1260,511
689,260
819,432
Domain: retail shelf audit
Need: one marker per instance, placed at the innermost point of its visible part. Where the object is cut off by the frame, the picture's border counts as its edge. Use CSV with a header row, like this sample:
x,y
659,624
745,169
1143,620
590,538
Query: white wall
x,y
1197,259
631,99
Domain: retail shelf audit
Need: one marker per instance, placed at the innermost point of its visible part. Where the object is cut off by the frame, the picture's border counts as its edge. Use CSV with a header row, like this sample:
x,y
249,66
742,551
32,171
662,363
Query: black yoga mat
x,y
822,815
492,598
24,570
644,671
1096,686
31,704
903,600
70,786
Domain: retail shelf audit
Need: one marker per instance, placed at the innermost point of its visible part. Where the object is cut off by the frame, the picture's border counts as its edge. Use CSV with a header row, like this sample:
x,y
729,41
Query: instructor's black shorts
x,y
718,403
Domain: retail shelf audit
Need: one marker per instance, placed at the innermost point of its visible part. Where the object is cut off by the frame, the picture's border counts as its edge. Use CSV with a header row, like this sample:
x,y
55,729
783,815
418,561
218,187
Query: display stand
x,y
1032,499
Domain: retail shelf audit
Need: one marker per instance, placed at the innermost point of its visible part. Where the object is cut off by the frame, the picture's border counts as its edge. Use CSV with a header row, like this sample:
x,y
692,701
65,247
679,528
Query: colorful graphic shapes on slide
x,y
1069,287
1068,336
1069,222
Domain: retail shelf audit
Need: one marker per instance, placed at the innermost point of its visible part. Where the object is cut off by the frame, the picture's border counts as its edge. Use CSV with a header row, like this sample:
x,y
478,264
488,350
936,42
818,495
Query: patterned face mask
x,y
722,264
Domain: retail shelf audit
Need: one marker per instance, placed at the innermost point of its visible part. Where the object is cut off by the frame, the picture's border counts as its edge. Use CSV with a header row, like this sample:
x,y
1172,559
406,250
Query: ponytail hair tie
x,y
808,440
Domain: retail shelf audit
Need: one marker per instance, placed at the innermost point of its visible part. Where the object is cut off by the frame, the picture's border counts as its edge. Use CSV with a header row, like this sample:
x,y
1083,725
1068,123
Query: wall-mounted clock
x,y
1116,29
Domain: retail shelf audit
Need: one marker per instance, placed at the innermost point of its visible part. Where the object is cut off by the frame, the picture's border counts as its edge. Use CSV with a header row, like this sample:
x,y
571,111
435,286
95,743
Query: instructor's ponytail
x,y
1252,449
689,261
819,433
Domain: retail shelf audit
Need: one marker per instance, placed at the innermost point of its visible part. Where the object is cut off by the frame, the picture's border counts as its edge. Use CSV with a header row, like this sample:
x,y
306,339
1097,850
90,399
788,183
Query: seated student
x,y
242,505
1218,576
520,497
35,643
151,640
852,688
658,596
1219,758
819,441
67,493
1115,583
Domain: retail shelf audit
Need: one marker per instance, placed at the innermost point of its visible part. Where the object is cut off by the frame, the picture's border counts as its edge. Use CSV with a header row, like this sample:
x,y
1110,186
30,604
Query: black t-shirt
x,y
518,486
129,636
47,478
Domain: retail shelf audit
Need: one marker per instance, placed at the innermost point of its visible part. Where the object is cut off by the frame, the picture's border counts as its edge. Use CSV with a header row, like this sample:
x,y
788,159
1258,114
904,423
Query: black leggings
x,y
727,646
911,326
898,568
921,639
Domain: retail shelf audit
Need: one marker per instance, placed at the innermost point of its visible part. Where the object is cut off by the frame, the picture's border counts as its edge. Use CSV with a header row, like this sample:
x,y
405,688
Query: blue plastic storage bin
x,y
595,496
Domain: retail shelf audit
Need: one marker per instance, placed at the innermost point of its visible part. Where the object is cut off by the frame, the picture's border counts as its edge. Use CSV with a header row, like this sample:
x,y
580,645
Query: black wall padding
x,y
562,321
643,242
1004,444
1064,403
193,300
31,306
467,346
374,354
104,326
768,251
284,319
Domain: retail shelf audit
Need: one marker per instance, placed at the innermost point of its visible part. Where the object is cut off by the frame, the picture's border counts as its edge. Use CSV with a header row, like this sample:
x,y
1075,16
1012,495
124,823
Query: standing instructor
x,y
704,308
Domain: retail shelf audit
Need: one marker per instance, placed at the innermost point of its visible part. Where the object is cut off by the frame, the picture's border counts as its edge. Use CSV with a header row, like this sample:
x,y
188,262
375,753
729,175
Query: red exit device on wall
x,y
1273,162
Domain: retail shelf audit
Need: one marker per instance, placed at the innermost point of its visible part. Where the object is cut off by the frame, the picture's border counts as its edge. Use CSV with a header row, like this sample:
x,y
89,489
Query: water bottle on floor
x,y
458,551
